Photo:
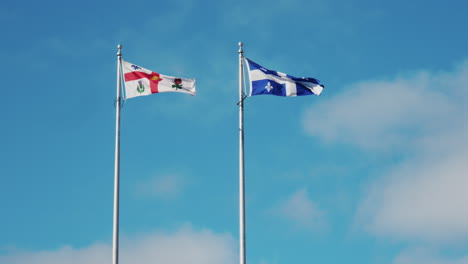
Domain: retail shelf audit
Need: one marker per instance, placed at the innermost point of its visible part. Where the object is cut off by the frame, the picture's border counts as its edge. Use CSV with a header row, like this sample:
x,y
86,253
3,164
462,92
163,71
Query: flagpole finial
x,y
119,52
240,47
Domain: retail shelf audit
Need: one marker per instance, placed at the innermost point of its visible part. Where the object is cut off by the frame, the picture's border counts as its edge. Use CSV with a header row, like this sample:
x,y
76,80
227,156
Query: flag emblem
x,y
268,87
177,83
140,87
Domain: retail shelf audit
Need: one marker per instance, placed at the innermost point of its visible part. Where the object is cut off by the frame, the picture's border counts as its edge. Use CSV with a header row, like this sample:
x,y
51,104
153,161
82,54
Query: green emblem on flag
x,y
140,87
177,83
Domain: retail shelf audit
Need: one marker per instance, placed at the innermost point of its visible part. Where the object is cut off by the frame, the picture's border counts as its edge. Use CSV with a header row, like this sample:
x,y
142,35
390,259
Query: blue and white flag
x,y
264,81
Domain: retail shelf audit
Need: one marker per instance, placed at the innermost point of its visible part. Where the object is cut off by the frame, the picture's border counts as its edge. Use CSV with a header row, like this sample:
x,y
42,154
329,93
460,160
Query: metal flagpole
x,y
241,158
115,241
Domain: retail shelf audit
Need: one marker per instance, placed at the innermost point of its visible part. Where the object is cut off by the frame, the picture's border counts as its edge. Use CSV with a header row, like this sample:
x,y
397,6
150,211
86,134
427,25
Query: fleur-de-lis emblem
x,y
268,87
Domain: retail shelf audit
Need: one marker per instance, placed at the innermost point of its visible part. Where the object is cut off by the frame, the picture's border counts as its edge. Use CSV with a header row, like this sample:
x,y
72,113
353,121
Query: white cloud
x,y
424,117
380,114
301,211
167,186
423,200
181,247
427,256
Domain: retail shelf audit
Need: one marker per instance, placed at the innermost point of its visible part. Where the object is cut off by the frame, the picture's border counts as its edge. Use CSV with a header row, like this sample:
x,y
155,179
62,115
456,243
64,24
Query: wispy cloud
x,y
427,256
378,115
183,246
422,115
167,186
422,200
302,212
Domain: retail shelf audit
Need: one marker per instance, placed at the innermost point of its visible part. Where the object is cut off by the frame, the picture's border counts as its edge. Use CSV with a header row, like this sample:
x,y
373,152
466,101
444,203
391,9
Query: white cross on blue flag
x,y
264,81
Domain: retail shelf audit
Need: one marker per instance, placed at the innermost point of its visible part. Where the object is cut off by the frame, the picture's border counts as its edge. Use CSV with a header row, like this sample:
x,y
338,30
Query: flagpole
x,y
241,159
115,241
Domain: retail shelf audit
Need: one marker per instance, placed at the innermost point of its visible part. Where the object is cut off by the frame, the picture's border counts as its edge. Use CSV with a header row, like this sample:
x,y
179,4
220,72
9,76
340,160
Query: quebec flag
x,y
264,81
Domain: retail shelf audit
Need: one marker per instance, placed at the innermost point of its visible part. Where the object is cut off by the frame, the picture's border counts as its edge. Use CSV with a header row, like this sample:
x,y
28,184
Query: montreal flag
x,y
140,81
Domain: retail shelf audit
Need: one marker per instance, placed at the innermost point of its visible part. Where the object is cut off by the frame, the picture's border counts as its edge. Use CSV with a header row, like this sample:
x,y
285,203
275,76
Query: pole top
x,y
119,52
240,47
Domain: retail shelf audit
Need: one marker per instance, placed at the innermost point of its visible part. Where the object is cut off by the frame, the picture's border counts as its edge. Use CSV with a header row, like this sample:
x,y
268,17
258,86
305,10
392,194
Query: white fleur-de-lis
x,y
268,87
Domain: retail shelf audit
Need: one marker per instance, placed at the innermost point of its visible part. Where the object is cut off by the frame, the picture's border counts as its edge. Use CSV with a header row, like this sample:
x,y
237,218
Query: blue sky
x,y
372,171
